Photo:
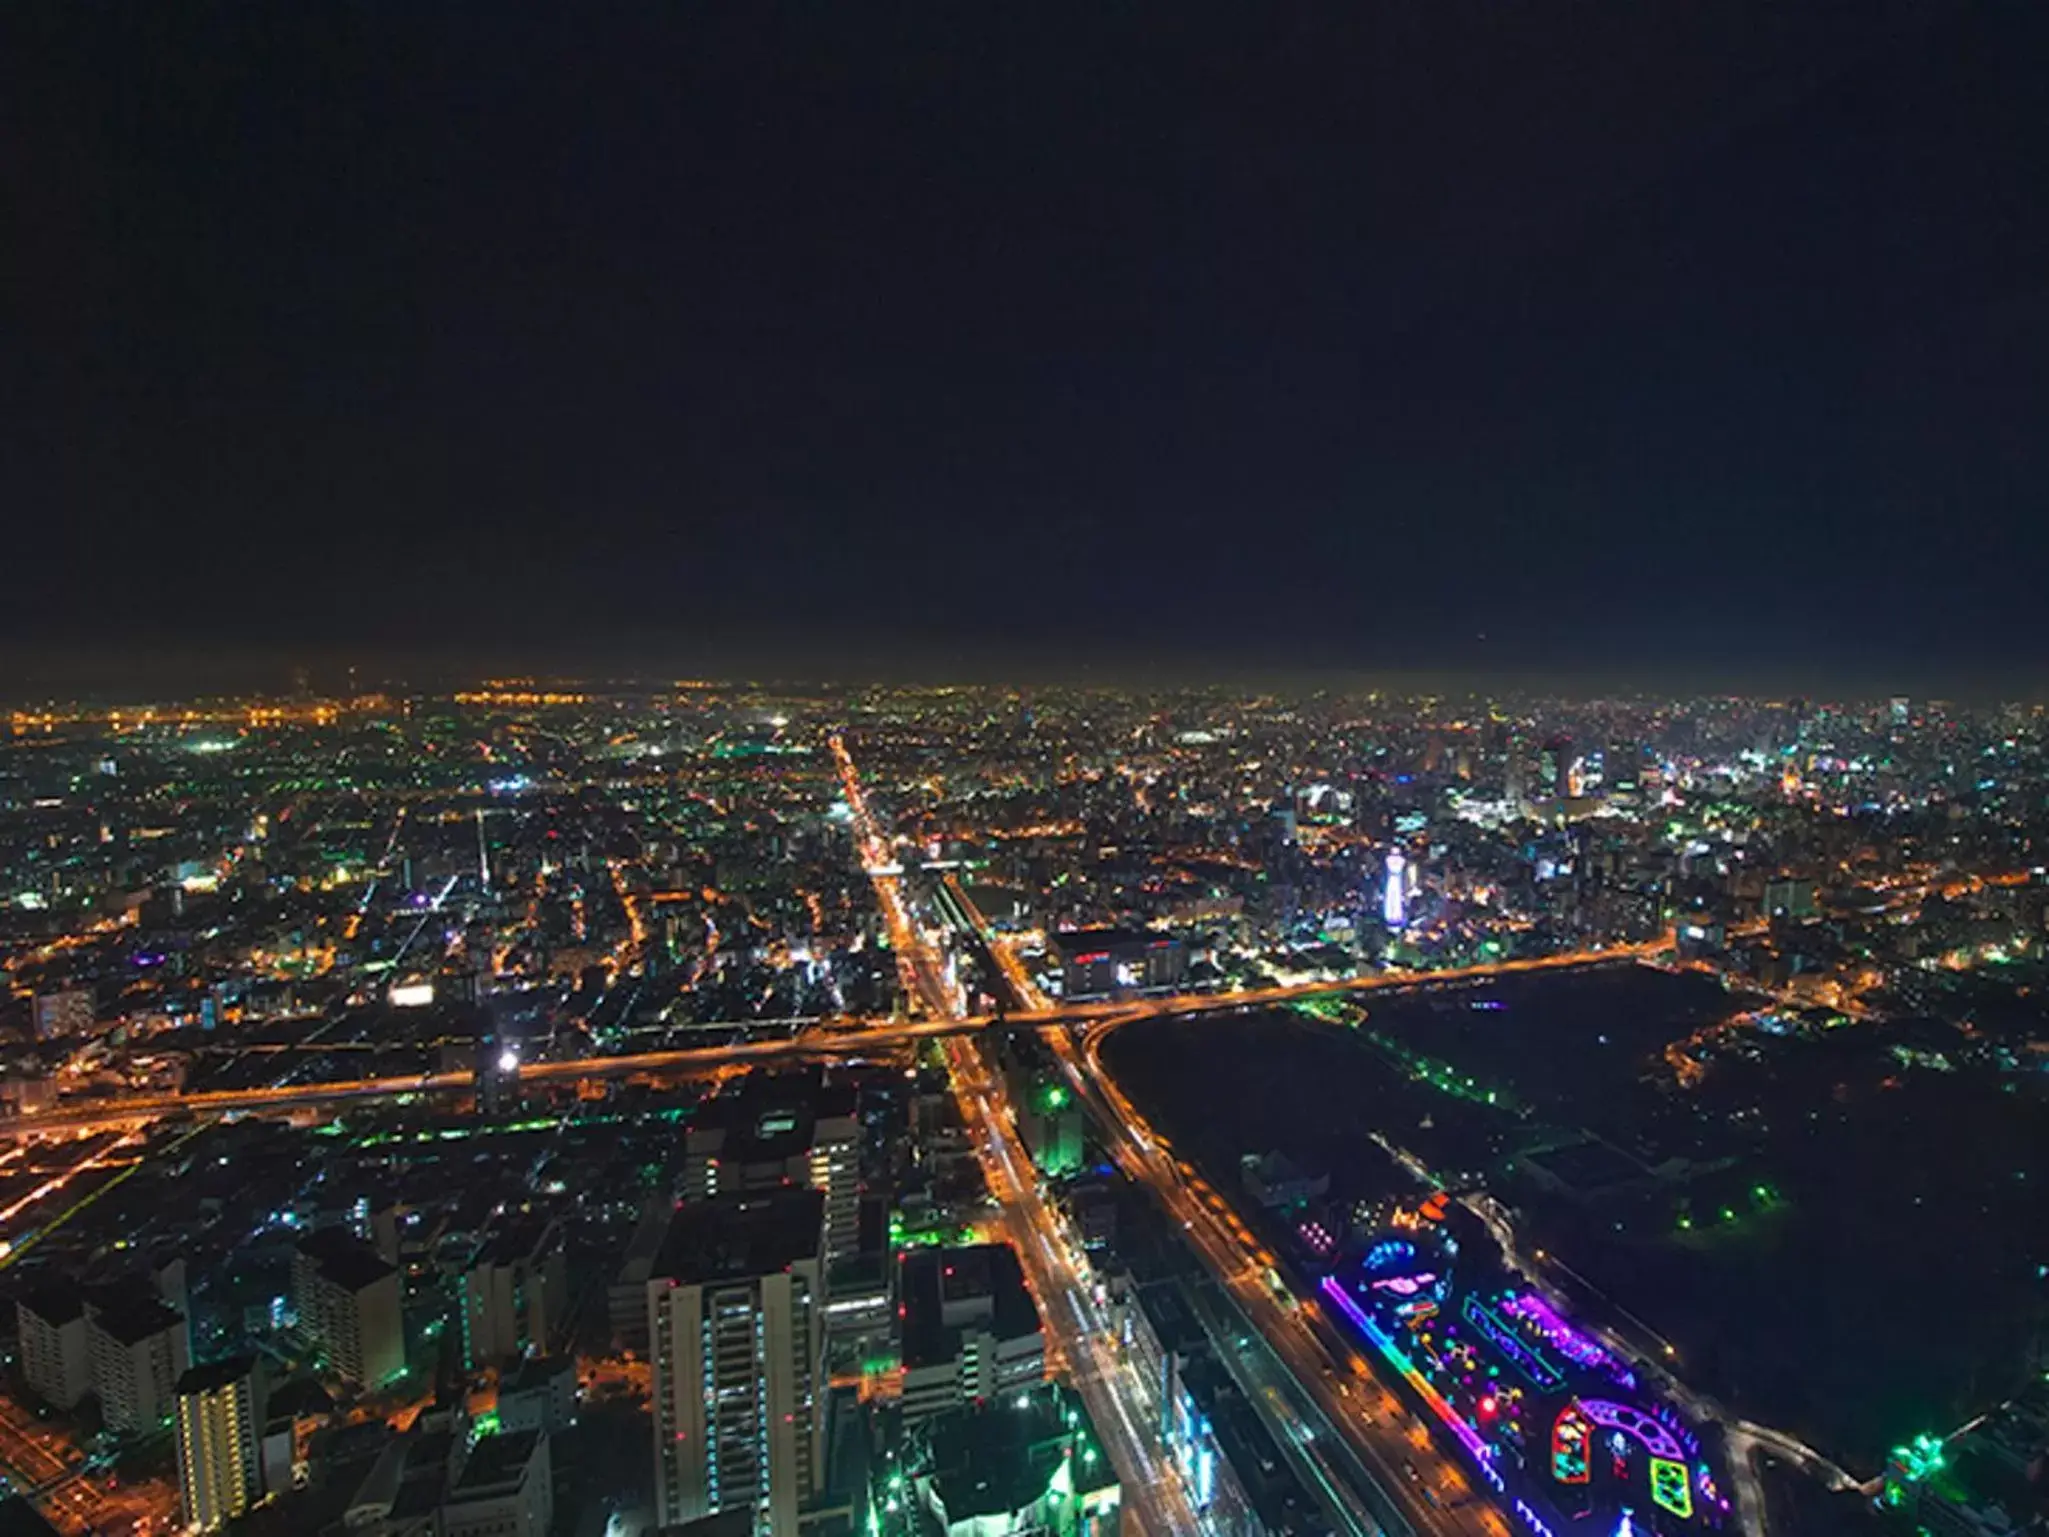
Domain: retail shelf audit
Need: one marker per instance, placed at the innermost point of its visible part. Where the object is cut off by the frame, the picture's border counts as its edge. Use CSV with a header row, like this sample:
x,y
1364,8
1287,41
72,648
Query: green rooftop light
x,y
1920,1459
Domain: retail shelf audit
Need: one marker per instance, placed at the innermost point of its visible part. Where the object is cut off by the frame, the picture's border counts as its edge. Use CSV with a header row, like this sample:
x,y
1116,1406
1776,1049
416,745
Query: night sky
x,y
1614,340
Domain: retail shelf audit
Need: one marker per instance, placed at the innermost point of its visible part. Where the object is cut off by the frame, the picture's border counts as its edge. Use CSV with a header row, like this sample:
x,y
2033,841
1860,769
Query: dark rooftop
x,y
735,1236
1081,941
497,1461
133,1320
998,1458
933,1277
772,1116
213,1375
302,1396
517,1241
54,1304
344,1259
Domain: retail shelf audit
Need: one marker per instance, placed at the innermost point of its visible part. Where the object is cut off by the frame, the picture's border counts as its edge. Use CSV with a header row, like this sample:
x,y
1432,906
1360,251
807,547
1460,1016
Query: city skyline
x,y
1024,771
1191,1112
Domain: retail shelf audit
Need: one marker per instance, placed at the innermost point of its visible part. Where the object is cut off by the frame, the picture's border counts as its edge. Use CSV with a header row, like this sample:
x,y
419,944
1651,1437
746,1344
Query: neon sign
x,y
1669,1487
1405,1285
1656,1439
1569,1446
1576,1347
1526,1358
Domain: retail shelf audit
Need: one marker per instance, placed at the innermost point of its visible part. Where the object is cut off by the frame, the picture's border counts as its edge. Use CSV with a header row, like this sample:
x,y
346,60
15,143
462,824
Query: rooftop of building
x,y
409,1475
934,1277
537,1374
344,1259
997,1458
497,1463
131,1320
1073,944
735,1236
54,1303
771,1117
1165,1307
1276,1496
212,1376
301,1396
517,1241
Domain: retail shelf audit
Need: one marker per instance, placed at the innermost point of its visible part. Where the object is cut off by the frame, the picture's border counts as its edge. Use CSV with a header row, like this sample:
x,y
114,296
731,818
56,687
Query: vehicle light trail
x,y
1154,1497
1239,1267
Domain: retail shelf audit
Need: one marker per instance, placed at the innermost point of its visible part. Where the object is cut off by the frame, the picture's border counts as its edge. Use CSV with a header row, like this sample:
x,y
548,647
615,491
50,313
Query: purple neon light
x,y
1468,1437
1656,1439
1570,1342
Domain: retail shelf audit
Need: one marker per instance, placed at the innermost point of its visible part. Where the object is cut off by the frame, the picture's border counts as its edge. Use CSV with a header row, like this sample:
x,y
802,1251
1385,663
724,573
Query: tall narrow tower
x,y
736,1325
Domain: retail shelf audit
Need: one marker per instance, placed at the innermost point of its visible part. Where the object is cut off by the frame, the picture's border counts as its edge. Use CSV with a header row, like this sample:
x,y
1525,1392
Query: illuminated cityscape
x,y
1024,771
721,1103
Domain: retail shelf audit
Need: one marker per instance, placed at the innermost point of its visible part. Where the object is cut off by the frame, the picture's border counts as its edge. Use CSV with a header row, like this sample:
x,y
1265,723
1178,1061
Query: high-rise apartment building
x,y
56,1357
349,1304
736,1323
139,1351
220,1430
515,1291
777,1129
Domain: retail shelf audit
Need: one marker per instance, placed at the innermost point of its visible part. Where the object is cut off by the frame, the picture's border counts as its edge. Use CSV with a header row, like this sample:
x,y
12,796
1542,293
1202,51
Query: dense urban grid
x,y
591,1108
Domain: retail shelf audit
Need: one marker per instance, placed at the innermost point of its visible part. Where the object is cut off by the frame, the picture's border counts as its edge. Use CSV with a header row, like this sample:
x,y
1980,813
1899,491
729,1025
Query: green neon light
x,y
1920,1459
1669,1487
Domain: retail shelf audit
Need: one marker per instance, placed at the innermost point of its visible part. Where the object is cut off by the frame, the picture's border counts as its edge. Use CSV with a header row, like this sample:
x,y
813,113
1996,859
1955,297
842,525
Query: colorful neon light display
x,y
1404,1285
1670,1488
1630,1420
1569,1446
1576,1347
1387,1254
1526,1358
1468,1437
1399,1272
1704,1481
1493,1338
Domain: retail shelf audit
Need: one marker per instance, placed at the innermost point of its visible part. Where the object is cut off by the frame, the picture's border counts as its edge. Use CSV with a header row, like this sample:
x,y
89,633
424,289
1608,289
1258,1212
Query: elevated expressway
x,y
833,1039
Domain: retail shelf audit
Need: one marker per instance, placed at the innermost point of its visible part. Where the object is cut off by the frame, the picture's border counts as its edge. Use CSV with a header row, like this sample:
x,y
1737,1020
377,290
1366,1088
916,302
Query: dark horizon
x,y
1634,344
122,675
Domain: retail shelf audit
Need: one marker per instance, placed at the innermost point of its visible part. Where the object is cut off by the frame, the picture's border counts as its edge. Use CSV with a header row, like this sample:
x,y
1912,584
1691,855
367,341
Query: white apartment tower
x,y
736,1325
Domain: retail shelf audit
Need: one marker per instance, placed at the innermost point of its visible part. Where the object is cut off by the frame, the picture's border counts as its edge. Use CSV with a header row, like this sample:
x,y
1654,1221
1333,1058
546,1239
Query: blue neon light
x,y
1527,1359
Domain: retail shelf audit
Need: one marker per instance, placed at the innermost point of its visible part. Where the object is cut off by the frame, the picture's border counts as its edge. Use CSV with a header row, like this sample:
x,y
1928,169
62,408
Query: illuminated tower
x,y
496,1075
220,1422
736,1326
1394,896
